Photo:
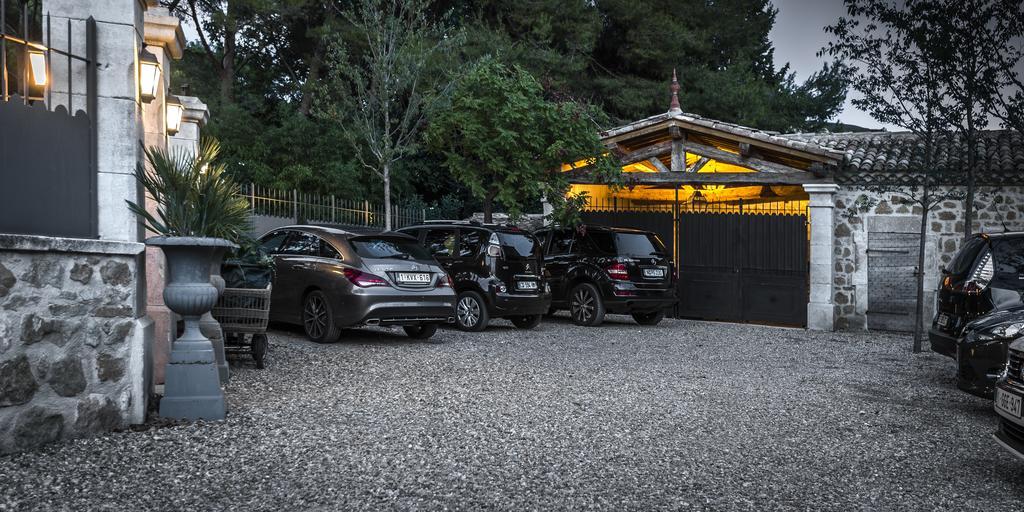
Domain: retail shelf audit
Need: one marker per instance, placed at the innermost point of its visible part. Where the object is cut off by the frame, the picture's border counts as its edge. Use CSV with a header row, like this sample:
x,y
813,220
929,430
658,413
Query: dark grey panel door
x,y
892,264
743,267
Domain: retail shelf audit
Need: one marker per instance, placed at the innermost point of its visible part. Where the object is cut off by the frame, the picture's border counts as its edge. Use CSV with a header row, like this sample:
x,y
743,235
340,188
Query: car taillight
x,y
494,251
445,281
363,279
981,276
617,271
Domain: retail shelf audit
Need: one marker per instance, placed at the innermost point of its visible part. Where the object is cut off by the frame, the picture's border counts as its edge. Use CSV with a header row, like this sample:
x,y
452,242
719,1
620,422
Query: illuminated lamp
x,y
173,115
149,76
37,63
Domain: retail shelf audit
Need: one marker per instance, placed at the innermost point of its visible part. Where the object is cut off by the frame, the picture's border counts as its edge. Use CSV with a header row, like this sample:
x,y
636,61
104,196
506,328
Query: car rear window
x,y
964,260
374,247
1008,256
627,244
519,245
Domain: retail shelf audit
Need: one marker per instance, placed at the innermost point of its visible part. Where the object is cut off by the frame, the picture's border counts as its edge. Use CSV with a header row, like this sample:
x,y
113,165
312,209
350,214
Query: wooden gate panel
x,y
892,264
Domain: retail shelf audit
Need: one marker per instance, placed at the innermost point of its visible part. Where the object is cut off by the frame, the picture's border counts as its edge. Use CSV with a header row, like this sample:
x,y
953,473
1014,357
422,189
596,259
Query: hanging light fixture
x,y
173,114
37,63
698,198
149,76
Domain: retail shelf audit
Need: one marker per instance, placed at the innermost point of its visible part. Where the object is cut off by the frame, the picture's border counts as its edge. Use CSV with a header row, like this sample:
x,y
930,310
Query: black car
x,y
1008,402
986,275
981,352
497,271
596,270
328,279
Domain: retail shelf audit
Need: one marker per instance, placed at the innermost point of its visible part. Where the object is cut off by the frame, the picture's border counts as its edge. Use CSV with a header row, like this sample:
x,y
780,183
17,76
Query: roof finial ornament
x,y
673,108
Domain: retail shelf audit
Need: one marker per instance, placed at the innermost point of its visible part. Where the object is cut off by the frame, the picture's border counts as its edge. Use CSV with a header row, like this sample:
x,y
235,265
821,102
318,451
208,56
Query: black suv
x,y
986,275
497,271
595,270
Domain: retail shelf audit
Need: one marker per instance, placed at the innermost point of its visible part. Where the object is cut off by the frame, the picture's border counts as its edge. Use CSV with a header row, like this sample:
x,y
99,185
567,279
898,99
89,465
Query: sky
x,y
799,33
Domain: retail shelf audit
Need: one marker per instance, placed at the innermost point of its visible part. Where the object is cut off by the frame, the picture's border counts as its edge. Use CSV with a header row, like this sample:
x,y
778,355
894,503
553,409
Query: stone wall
x,y
72,351
858,210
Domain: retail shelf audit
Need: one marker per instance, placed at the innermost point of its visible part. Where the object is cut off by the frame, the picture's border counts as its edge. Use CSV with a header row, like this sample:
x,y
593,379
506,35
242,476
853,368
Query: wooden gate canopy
x,y
679,148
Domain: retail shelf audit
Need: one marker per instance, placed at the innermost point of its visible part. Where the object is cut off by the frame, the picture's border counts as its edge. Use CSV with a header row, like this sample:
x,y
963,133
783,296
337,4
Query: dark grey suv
x,y
328,279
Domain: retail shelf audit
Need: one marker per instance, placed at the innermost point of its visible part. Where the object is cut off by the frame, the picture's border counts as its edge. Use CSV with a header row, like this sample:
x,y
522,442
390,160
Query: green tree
x,y
897,59
381,98
502,139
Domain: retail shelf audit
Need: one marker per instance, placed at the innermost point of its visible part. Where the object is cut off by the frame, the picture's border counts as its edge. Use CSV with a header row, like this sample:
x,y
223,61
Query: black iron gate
x,y
733,266
743,267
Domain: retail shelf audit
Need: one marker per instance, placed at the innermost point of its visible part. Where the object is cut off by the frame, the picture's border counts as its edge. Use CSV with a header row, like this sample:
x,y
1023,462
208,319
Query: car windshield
x,y
389,247
1009,256
628,244
962,262
519,245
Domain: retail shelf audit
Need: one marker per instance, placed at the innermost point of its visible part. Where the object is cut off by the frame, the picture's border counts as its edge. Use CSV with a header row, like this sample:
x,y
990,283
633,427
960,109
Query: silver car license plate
x,y
654,272
526,285
1008,402
943,320
413,277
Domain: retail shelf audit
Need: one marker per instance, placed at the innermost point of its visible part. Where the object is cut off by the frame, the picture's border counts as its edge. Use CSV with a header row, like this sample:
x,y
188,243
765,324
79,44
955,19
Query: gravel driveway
x,y
686,415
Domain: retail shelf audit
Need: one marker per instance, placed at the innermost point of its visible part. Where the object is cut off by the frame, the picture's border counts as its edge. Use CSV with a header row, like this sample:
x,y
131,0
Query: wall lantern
x,y
37,63
149,76
698,200
174,112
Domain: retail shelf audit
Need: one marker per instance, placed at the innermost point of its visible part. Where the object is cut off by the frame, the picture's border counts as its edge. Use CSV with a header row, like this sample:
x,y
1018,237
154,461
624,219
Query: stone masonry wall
x,y
68,313
996,209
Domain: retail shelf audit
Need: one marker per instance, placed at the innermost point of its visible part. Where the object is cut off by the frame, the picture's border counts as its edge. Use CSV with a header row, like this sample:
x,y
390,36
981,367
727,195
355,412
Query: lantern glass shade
x,y
149,76
174,112
37,63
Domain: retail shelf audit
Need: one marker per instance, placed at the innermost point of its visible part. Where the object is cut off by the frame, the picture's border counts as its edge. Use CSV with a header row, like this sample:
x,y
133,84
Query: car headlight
x,y
1004,332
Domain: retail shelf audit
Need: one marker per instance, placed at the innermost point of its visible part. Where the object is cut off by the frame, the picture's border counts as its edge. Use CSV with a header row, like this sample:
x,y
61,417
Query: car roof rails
x,y
453,221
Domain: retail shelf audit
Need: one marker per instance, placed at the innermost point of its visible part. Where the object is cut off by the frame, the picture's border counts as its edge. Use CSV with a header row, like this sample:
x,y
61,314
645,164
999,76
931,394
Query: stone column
x,y
119,29
121,135
192,122
820,309
164,39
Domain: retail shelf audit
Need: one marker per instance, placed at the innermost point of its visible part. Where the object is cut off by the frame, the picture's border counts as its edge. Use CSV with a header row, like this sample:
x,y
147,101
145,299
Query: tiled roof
x,y
898,156
726,128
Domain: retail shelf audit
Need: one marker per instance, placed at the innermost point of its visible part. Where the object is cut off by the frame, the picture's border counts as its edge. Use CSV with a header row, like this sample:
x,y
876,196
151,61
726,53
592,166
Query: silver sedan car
x,y
328,279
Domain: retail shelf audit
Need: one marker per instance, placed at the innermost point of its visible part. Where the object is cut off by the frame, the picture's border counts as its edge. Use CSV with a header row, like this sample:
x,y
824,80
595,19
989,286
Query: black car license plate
x,y
526,285
654,272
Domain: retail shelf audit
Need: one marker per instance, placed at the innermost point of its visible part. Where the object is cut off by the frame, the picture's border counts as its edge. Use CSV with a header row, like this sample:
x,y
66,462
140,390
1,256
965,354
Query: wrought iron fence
x,y
754,206
306,208
48,145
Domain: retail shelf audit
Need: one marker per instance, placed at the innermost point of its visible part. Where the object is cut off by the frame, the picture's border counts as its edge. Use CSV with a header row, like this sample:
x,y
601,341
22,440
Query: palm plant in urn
x,y
198,216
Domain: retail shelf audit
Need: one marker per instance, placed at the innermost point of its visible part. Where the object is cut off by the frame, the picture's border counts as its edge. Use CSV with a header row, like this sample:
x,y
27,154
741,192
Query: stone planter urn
x,y
192,384
209,325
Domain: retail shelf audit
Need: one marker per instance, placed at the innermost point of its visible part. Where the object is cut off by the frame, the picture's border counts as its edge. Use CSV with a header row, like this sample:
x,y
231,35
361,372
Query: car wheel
x,y
420,332
526,321
318,318
471,312
650,317
586,306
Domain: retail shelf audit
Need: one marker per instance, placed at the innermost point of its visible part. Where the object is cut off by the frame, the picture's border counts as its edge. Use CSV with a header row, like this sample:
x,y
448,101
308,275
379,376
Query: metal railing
x,y
754,206
307,208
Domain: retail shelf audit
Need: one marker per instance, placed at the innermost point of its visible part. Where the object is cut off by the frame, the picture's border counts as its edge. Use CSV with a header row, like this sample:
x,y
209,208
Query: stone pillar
x,y
121,134
119,29
164,39
192,122
820,309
